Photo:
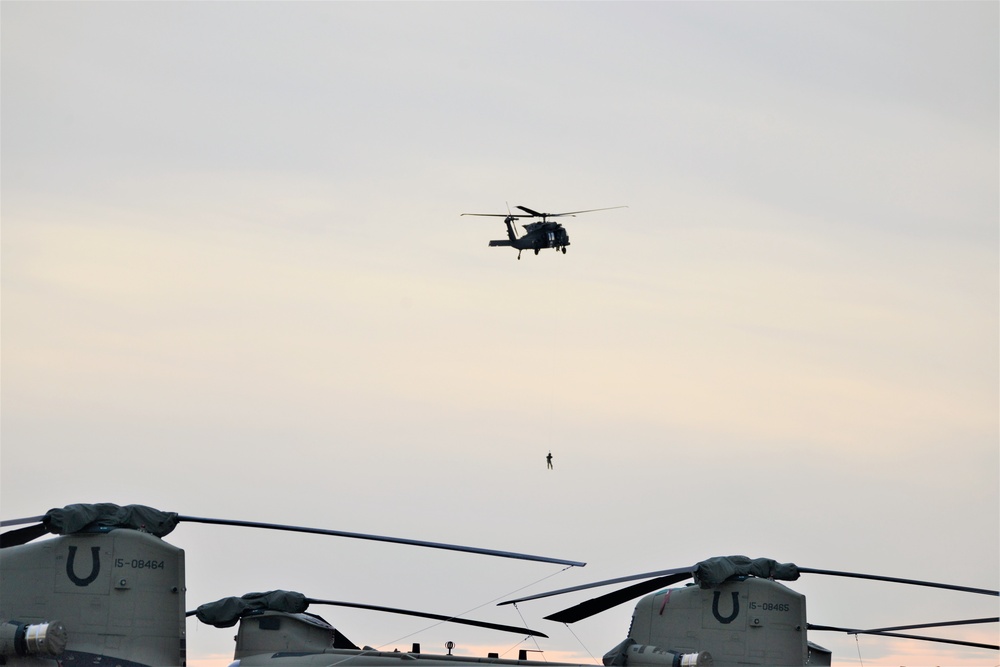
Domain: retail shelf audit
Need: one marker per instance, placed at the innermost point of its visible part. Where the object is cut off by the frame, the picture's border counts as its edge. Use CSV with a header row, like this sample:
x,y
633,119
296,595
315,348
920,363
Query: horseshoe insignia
x,y
736,607
95,567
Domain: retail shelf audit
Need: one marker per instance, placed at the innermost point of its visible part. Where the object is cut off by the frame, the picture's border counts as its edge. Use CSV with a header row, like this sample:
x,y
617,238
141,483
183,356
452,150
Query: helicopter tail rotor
x,y
512,227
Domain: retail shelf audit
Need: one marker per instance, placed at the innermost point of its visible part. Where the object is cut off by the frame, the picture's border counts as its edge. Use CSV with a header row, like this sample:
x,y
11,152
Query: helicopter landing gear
x,y
564,250
519,254
536,251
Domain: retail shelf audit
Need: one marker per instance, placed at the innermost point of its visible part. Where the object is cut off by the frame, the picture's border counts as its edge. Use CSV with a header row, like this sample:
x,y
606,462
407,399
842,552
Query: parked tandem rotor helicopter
x,y
108,590
538,235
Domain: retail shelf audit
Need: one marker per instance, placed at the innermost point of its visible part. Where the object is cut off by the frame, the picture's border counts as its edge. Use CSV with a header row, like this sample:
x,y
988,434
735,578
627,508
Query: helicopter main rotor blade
x,y
498,215
381,538
668,577
24,535
615,598
13,538
589,210
19,522
438,617
912,582
606,582
536,214
852,631
940,624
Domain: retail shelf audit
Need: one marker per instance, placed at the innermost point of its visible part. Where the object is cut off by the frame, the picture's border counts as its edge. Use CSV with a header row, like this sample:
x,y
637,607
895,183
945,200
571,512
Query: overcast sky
x,y
236,283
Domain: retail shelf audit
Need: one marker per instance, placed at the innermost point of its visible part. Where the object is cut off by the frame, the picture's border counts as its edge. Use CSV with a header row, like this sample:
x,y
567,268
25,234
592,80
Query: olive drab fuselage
x,y
119,594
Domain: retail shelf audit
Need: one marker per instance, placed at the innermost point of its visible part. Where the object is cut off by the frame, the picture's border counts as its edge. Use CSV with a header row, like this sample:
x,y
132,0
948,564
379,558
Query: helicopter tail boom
x,y
497,243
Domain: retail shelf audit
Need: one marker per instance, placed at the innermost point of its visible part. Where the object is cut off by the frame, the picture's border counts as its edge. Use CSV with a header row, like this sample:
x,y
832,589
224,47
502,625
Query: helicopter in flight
x,y
108,590
537,235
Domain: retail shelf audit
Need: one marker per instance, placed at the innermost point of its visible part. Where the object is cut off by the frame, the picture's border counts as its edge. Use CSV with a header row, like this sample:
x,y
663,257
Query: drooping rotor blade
x,y
613,599
13,538
534,214
589,210
667,577
381,538
111,516
912,582
498,215
438,617
607,582
853,631
19,522
596,605
939,624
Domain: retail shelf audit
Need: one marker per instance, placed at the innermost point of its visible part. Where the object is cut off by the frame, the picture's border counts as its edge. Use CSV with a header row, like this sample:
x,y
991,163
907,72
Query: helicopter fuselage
x,y
538,236
114,594
274,639
749,621
119,595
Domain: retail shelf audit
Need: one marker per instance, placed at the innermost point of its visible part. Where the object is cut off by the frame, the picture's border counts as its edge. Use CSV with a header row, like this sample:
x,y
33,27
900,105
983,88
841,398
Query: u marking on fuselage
x,y
95,567
736,608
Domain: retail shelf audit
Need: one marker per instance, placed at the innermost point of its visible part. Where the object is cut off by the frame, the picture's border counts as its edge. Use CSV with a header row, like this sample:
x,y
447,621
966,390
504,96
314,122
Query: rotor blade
x,y
21,536
439,617
851,631
497,215
941,624
19,522
606,582
381,538
534,214
613,599
668,577
912,582
589,210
